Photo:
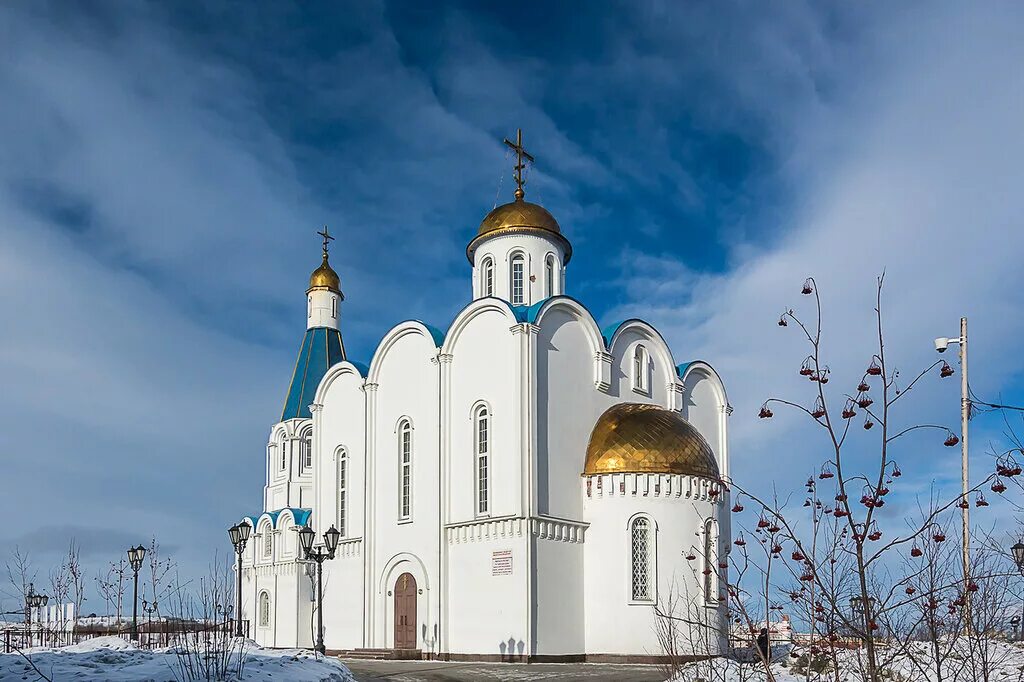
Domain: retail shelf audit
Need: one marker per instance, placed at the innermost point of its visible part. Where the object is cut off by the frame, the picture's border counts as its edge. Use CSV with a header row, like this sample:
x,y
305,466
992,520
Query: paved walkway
x,y
439,671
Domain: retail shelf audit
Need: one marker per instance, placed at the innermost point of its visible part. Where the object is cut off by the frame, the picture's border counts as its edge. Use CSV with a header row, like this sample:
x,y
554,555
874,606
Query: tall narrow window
x,y
640,538
306,450
641,366
284,454
334,307
710,562
518,283
268,543
264,609
487,277
549,276
342,491
405,469
483,445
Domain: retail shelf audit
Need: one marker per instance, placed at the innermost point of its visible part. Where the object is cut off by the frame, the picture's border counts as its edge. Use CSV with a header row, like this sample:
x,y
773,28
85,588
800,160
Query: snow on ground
x,y
1003,662
115,659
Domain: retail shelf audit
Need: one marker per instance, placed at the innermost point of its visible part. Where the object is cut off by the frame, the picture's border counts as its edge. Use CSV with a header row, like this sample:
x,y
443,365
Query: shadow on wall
x,y
512,651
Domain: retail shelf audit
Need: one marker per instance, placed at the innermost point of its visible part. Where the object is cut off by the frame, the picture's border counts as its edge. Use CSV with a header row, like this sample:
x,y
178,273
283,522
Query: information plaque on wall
x,y
501,562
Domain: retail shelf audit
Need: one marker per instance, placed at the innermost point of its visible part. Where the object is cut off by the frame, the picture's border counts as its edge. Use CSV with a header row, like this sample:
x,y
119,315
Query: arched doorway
x,y
405,612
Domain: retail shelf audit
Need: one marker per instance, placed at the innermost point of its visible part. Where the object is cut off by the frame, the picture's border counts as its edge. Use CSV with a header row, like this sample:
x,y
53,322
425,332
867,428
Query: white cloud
x,y
909,165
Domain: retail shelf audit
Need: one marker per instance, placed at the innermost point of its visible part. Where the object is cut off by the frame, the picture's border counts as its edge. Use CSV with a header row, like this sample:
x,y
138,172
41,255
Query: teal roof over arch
x,y
300,514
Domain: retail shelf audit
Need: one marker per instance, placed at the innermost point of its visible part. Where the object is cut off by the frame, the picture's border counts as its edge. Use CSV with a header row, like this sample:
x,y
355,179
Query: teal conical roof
x,y
321,349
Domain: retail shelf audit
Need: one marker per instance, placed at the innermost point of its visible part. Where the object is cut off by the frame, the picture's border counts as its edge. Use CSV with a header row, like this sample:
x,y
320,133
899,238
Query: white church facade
x,y
524,485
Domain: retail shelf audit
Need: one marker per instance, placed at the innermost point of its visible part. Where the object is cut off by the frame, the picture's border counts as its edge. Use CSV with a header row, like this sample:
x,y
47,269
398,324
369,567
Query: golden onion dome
x,y
636,438
324,277
517,217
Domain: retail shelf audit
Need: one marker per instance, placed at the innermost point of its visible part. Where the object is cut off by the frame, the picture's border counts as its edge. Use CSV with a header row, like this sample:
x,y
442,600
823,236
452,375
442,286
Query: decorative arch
x,y
654,342
265,549
579,312
698,372
335,372
396,333
342,483
487,276
710,573
264,607
418,570
518,277
475,309
306,449
642,558
482,441
404,430
550,275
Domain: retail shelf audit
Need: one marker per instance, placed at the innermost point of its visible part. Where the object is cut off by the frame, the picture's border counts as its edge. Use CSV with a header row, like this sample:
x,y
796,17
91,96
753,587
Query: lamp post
x,y
1018,558
319,554
135,557
239,535
32,601
965,412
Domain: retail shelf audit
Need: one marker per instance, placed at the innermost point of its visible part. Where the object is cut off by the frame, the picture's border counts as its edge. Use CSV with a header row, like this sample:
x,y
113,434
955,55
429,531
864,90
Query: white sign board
x,y
501,562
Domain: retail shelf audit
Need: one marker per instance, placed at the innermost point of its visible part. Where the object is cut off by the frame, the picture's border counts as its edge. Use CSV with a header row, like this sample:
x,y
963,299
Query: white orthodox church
x,y
522,485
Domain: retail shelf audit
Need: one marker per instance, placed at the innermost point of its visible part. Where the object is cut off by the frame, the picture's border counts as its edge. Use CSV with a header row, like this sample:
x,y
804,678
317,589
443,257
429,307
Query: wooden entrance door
x,y
405,612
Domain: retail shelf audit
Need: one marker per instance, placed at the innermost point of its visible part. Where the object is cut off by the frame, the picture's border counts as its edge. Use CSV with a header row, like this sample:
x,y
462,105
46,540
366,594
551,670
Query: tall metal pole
x,y
965,413
135,607
238,601
320,556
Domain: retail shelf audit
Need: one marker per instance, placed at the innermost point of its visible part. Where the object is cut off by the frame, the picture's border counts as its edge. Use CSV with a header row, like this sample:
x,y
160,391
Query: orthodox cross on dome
x,y
521,154
327,239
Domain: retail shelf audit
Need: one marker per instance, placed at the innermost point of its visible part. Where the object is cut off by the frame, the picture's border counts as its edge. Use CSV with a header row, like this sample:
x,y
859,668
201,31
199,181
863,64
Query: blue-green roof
x,y
321,348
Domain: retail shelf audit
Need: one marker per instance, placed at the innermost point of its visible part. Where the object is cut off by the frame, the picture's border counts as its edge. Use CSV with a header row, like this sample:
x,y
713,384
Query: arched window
x,y
306,450
268,542
641,545
518,279
334,307
264,609
342,491
405,469
482,436
487,277
711,569
641,370
549,276
283,452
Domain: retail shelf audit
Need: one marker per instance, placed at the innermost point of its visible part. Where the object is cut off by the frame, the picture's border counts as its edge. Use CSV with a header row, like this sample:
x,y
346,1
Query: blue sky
x,y
165,168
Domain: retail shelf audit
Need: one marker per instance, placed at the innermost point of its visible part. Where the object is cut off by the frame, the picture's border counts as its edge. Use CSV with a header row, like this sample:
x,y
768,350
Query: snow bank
x,y
115,659
961,662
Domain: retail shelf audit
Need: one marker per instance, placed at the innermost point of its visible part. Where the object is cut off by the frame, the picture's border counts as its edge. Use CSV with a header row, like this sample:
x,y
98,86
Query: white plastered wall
x,y
405,375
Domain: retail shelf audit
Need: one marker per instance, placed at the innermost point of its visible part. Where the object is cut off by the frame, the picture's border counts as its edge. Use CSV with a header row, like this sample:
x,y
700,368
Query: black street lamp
x,y
1018,558
239,535
319,555
32,601
135,557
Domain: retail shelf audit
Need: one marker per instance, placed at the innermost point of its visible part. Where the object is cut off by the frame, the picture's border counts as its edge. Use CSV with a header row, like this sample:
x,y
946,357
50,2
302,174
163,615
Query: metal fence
x,y
151,635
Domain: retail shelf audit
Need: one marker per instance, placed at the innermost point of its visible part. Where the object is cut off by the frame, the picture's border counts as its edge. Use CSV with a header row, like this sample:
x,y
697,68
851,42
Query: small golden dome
x,y
324,277
516,217
636,438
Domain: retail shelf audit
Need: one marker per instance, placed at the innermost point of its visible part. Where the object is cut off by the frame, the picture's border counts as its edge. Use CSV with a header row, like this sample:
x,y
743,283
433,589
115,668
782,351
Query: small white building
x,y
521,486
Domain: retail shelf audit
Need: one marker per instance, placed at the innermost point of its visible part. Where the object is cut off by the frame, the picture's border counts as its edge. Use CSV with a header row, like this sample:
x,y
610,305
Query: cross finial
x,y
521,154
327,238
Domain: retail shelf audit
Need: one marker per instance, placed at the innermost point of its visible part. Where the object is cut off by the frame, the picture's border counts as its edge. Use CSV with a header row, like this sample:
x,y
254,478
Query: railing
x,y
151,635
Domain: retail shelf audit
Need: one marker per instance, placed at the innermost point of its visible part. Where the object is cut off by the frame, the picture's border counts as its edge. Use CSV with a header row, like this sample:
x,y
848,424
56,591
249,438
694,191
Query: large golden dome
x,y
518,217
635,438
324,277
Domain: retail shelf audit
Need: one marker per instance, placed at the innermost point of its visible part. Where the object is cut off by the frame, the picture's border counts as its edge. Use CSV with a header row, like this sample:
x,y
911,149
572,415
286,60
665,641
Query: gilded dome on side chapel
x,y
324,277
636,438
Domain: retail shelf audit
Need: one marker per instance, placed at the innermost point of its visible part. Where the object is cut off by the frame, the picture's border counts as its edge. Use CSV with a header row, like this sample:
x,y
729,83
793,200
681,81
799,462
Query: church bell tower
x,y
519,252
